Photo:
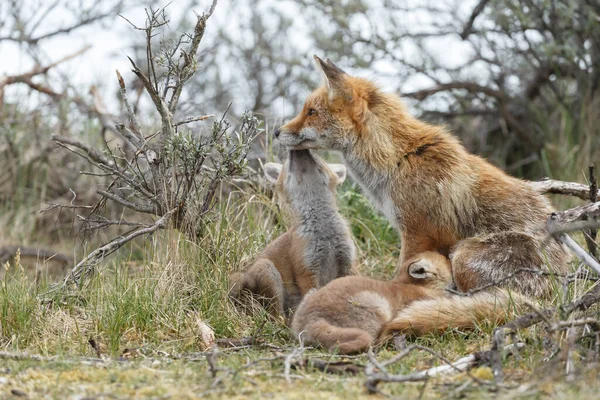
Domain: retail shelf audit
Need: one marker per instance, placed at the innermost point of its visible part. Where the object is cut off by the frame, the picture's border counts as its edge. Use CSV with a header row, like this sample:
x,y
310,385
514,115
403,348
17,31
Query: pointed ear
x,y
334,78
272,171
340,170
421,269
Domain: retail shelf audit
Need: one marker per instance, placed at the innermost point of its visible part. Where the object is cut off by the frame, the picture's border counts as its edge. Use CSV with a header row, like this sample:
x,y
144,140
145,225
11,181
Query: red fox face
x,y
333,115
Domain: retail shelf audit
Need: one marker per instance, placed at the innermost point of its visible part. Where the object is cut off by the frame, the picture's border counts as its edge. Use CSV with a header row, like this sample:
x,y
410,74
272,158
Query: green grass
x,y
145,303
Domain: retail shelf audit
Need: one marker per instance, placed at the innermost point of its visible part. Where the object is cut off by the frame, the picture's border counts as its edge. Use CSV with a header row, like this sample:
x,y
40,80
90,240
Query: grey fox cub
x,y
317,249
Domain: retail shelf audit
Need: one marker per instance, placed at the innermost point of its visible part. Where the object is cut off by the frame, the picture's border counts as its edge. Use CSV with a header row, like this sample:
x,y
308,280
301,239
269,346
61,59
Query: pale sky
x,y
110,41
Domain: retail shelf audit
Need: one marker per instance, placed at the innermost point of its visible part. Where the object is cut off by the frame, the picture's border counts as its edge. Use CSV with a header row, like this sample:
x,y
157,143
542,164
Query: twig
x,y
580,252
5,355
129,204
459,366
296,353
193,119
132,117
93,153
525,321
590,235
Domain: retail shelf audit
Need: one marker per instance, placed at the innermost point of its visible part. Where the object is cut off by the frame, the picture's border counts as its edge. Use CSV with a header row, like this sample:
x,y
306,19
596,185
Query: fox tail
x,y
463,312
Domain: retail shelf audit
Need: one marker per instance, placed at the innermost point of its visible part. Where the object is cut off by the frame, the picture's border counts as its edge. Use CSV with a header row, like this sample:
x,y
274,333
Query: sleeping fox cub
x,y
350,313
317,249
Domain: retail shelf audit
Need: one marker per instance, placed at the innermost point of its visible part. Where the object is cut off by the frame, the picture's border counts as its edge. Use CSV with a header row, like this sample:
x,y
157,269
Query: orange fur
x,y
349,313
440,197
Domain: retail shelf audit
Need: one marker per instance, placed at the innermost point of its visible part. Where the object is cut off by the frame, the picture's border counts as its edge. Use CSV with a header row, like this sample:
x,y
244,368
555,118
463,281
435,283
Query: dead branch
x,y
94,155
194,119
459,366
132,117
143,208
577,218
590,235
87,265
560,187
26,77
588,212
580,252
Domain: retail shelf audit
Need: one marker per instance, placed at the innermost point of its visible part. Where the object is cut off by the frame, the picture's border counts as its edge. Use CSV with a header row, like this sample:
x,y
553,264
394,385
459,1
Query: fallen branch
x,y
565,188
374,378
87,265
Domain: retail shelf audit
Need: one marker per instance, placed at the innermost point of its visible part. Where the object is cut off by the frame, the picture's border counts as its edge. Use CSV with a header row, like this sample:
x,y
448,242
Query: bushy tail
x,y
464,312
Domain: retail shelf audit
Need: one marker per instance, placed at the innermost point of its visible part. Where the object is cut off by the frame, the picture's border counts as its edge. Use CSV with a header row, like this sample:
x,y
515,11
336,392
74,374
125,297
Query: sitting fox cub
x,y
350,313
317,249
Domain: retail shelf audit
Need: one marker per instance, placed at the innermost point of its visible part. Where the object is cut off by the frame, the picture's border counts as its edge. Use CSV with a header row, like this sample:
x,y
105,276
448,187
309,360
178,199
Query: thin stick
x,y
580,252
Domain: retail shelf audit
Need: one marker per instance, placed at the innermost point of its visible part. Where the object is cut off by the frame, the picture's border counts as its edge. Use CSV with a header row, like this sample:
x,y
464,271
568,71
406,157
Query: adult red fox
x,y
348,314
317,249
439,196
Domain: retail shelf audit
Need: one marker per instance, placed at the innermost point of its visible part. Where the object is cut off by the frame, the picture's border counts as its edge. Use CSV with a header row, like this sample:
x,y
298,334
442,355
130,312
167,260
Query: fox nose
x,y
276,133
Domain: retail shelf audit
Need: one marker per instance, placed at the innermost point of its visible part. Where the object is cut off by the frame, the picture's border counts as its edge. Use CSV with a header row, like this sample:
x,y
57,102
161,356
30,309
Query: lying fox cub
x,y
317,249
350,313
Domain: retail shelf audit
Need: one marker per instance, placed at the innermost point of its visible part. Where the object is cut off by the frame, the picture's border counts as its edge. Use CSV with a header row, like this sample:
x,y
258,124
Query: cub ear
x,y
272,171
334,79
421,269
340,170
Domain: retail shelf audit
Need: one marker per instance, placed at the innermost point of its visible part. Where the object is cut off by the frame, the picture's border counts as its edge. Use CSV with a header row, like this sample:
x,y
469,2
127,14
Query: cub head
x,y
304,176
428,269
334,115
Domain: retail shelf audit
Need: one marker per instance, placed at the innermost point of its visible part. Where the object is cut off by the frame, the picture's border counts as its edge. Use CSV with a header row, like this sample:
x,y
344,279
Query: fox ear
x,y
340,170
334,78
272,171
421,269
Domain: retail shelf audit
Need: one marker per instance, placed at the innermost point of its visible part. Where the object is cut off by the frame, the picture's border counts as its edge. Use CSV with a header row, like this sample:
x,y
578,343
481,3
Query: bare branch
x,y
560,187
188,69
469,25
132,117
87,265
129,204
93,153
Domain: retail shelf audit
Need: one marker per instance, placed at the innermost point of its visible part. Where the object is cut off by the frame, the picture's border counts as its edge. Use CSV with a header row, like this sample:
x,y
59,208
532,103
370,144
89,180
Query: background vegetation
x,y
517,81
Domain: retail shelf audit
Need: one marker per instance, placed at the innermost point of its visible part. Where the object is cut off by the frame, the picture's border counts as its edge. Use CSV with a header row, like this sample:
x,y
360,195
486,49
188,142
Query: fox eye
x,y
311,111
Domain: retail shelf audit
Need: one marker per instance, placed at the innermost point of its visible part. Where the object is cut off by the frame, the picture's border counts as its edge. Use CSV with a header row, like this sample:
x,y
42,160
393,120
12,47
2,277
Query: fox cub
x,y
317,249
439,196
350,313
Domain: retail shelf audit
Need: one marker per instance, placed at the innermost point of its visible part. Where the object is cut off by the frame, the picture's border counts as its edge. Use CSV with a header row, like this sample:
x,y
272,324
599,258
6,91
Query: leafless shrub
x,y
170,173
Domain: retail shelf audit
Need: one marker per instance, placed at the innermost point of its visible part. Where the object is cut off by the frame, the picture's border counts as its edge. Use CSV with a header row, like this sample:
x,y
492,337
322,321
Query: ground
x,y
132,330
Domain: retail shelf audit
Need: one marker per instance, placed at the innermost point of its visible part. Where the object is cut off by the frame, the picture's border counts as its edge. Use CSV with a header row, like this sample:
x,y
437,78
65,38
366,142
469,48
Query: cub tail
x,y
494,306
